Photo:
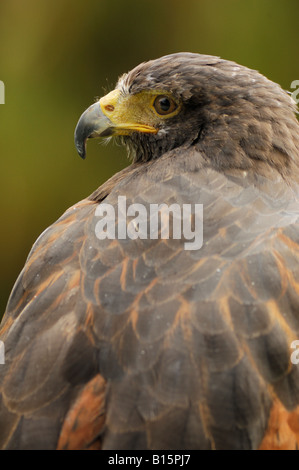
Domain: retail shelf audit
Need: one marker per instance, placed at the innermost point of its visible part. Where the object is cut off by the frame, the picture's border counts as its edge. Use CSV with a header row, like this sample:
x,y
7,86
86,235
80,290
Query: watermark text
x,y
295,94
2,92
2,353
295,354
152,221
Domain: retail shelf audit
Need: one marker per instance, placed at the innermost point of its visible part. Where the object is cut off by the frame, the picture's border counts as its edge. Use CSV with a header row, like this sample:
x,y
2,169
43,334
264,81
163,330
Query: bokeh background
x,y
56,57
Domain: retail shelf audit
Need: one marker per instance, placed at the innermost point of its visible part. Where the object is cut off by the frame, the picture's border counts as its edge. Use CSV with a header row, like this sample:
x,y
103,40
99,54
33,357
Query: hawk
x,y
136,341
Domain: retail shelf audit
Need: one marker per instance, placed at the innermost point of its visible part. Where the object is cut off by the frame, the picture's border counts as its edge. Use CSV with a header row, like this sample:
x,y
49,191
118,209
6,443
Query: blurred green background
x,y
57,56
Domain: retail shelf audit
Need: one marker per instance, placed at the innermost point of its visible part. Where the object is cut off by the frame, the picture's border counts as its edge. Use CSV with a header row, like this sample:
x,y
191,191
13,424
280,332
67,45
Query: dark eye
x,y
164,105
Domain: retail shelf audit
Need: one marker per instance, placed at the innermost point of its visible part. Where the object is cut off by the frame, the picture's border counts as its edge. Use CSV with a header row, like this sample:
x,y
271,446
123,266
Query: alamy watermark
x,y
295,354
152,221
2,353
295,94
2,92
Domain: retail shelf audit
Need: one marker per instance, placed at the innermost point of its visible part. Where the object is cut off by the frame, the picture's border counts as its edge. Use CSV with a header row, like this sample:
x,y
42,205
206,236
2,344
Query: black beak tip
x,y
92,123
81,148
82,154
80,138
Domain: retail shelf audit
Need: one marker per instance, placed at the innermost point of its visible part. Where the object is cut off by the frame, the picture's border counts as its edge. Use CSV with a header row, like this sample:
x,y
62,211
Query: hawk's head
x,y
233,116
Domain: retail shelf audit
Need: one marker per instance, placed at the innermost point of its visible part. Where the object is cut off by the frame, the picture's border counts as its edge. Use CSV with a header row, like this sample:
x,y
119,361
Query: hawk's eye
x,y
164,105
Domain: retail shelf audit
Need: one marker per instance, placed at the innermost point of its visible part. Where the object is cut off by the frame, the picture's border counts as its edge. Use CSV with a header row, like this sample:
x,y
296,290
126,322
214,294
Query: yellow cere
x,y
129,113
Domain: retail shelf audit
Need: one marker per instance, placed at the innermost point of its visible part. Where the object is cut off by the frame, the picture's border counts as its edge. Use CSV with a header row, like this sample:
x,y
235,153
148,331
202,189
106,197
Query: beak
x,y
111,115
92,123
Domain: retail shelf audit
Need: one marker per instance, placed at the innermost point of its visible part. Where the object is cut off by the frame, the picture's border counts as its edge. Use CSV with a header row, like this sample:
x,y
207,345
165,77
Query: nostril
x,y
109,107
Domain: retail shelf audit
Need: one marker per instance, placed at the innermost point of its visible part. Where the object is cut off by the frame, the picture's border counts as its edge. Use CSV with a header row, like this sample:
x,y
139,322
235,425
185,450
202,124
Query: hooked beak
x,y
92,123
111,115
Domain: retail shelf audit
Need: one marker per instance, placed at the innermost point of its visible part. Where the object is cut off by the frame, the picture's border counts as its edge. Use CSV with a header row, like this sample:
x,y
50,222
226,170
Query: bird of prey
x,y
122,340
